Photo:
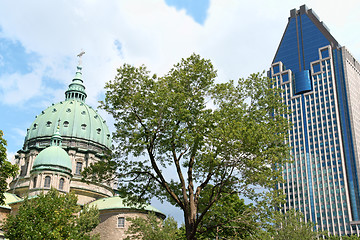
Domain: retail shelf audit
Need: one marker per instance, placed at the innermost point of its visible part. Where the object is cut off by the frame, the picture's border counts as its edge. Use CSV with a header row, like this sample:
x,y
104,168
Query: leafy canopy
x,y
152,227
352,237
229,135
51,216
292,225
6,168
228,218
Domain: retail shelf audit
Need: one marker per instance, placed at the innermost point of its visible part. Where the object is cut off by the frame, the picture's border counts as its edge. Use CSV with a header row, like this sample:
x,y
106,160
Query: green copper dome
x,y
53,158
76,119
117,202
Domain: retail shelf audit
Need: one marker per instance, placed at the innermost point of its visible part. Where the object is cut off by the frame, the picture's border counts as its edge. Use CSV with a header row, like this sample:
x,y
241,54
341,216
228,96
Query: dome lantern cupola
x,y
76,88
56,138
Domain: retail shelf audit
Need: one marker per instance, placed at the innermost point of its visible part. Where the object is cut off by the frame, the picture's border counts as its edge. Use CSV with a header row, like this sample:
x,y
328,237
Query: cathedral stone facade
x,y
64,139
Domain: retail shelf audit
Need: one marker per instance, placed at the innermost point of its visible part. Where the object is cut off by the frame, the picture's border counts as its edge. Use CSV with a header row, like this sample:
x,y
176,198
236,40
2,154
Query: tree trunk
x,y
190,219
190,229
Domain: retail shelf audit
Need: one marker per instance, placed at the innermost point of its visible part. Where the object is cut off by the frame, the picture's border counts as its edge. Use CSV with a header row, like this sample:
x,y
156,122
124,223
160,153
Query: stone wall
x,y
3,214
108,228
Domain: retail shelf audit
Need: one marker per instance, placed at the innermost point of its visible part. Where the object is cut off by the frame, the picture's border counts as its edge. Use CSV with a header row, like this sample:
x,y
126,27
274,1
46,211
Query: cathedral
x,y
64,139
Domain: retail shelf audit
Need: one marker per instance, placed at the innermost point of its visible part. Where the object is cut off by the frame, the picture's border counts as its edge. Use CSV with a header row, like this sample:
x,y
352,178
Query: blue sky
x,y
39,41
195,9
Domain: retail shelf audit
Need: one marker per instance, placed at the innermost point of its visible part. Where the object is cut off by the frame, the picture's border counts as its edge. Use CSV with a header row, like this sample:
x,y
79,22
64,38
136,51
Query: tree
x,y
51,216
6,168
228,218
292,225
351,237
228,135
151,228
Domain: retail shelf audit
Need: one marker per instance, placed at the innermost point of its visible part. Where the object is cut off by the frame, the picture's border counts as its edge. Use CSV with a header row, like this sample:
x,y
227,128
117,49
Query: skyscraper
x,y
321,83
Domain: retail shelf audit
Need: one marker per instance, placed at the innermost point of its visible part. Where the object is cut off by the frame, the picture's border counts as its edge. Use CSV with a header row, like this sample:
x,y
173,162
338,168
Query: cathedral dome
x,y
75,118
53,158
62,141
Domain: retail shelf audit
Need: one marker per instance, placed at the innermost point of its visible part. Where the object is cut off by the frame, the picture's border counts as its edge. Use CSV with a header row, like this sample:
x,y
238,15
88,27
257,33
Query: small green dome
x,y
117,202
53,158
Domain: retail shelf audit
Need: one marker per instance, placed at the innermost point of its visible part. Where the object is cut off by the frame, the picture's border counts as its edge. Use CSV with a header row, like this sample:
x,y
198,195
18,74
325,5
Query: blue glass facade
x,y
302,82
322,181
300,44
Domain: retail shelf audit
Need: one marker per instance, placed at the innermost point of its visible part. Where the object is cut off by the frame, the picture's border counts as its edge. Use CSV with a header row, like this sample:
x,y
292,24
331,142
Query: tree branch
x,y
220,187
140,173
179,172
160,175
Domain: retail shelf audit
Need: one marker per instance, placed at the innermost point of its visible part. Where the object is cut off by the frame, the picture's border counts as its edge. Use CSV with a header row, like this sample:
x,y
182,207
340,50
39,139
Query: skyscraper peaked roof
x,y
304,35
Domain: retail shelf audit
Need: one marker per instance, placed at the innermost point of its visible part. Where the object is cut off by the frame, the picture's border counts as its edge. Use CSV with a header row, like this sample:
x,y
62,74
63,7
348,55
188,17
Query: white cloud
x,y
17,88
20,132
240,37
10,156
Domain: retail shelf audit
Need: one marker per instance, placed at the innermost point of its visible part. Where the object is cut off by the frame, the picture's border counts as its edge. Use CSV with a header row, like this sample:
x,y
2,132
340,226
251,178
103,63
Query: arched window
x,y
121,222
61,183
47,182
34,182
78,168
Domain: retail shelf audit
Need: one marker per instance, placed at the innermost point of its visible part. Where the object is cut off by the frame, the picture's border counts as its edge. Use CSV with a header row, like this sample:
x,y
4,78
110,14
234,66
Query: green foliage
x,y
51,216
6,168
352,237
167,122
152,228
291,225
228,218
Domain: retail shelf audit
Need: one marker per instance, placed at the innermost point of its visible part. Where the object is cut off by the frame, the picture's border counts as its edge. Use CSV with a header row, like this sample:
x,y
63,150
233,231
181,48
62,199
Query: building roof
x,y
10,198
53,158
316,32
75,118
117,202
